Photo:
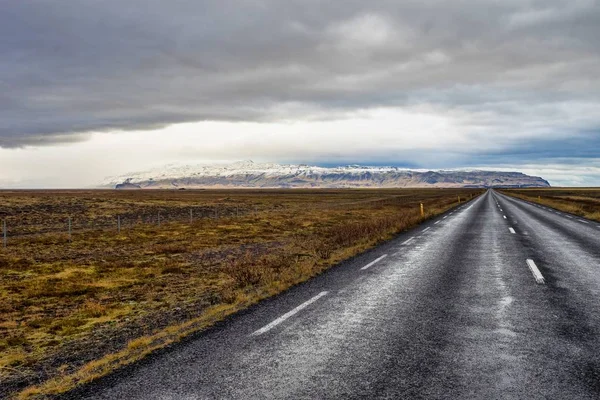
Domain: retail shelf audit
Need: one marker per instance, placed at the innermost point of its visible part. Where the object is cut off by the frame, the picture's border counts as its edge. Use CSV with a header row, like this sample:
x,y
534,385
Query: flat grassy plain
x,y
584,202
76,308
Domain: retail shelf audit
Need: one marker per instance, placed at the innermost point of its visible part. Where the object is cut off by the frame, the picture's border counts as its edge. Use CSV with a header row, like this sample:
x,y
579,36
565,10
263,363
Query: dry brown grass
x,y
131,293
584,202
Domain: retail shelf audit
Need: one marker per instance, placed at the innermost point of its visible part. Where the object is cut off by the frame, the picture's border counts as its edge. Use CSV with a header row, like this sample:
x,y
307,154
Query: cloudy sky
x,y
94,88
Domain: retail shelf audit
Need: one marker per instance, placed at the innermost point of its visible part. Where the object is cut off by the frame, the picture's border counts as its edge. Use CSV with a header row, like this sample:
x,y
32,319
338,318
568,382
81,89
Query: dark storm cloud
x,y
577,149
68,67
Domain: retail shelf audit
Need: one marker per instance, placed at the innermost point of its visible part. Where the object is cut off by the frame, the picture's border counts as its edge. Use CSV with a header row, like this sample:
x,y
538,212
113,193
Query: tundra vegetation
x,y
584,202
76,307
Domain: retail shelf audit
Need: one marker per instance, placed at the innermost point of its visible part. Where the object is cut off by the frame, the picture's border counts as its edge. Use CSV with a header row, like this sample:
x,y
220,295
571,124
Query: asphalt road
x,y
499,299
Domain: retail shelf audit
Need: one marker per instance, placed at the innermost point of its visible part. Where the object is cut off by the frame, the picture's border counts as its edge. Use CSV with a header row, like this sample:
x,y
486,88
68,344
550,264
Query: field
x,y
76,306
584,202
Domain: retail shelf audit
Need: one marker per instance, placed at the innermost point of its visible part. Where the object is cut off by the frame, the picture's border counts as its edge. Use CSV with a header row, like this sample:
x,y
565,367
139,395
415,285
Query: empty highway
x,y
497,299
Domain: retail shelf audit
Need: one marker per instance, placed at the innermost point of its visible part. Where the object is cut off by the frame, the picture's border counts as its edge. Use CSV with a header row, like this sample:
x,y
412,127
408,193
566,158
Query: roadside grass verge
x,y
73,311
584,202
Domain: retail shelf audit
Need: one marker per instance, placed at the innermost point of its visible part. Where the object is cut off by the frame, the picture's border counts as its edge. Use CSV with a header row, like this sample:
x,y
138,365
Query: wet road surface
x,y
498,299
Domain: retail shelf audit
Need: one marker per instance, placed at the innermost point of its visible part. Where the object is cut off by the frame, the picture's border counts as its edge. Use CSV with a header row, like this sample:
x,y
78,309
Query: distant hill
x,y
127,185
247,174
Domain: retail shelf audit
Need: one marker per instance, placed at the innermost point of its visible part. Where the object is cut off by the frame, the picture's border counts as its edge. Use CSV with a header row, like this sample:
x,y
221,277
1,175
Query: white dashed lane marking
x,y
539,278
409,240
369,265
289,314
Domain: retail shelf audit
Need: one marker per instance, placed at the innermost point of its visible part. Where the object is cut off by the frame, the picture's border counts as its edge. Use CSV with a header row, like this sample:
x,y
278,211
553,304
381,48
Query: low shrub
x,y
93,309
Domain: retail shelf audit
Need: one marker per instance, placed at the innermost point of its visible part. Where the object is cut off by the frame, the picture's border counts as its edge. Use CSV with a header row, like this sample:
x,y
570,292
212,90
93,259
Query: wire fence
x,y
31,223
24,225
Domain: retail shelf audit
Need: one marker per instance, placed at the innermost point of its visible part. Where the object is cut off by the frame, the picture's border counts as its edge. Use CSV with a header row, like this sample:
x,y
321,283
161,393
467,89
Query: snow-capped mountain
x,y
247,174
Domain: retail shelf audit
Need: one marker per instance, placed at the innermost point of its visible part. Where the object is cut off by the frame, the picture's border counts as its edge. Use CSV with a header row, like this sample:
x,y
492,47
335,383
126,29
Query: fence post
x,y
118,223
459,199
69,229
422,210
191,215
4,233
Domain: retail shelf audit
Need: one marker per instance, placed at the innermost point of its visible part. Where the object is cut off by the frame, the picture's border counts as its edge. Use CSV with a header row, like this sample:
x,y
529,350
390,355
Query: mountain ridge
x,y
247,174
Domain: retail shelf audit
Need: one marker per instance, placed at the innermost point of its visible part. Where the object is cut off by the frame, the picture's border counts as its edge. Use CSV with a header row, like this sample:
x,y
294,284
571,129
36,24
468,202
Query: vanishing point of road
x,y
498,299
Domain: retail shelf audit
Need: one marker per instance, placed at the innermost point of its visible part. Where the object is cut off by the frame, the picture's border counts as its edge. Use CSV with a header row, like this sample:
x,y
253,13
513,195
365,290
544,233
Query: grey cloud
x,y
70,67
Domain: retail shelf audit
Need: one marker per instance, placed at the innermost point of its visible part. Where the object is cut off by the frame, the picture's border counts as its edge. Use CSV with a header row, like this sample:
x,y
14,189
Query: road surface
x,y
499,299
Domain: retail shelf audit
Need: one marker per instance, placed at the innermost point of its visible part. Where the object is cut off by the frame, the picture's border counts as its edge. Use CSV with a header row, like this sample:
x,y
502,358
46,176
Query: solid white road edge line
x,y
289,314
536,272
373,262
512,230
